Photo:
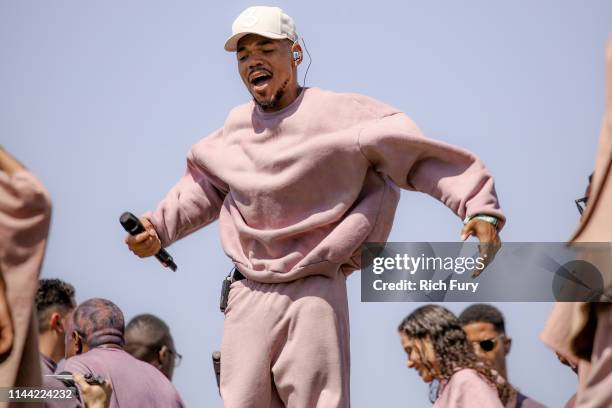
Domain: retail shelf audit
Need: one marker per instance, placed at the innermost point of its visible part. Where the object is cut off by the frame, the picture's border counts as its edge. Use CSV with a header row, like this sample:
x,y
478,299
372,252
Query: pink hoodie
x,y
467,389
299,190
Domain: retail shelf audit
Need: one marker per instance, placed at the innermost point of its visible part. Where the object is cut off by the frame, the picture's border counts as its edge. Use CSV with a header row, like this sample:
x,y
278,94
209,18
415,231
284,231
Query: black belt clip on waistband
x,y
232,277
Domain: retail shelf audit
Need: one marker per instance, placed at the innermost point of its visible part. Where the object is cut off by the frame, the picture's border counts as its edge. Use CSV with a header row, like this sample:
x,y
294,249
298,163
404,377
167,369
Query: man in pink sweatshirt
x,y
299,179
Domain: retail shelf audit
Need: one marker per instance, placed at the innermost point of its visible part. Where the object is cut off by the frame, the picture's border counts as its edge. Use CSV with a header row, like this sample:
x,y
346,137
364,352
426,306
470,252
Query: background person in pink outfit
x,y
95,342
299,179
25,212
148,338
582,332
55,301
485,329
437,347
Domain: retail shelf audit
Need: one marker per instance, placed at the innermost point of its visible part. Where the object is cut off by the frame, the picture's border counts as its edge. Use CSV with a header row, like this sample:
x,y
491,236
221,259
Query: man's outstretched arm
x,y
396,147
194,202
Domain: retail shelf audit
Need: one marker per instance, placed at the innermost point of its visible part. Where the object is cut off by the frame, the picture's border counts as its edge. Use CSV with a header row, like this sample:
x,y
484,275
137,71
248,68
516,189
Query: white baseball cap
x,y
270,22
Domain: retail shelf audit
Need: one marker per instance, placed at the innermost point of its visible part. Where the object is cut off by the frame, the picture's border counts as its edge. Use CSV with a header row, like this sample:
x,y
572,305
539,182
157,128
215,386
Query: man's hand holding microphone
x,y
143,239
145,243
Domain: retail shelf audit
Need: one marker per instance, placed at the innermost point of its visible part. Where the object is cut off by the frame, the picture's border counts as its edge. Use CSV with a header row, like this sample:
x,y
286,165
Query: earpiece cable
x,y
309,61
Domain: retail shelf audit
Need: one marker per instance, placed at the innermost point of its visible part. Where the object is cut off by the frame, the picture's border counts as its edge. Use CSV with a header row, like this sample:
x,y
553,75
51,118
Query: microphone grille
x,y
129,221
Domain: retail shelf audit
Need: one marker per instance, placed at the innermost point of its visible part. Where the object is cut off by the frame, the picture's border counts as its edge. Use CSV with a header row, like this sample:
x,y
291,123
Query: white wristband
x,y
488,218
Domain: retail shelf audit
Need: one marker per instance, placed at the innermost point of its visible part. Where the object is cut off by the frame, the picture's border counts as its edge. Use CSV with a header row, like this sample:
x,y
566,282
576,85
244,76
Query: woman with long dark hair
x,y
438,349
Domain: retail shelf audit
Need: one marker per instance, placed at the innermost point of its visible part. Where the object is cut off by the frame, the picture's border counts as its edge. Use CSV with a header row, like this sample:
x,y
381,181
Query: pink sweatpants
x,y
286,344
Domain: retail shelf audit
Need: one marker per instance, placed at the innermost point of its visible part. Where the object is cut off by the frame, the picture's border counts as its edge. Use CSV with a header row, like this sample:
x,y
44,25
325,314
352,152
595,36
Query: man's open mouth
x,y
260,79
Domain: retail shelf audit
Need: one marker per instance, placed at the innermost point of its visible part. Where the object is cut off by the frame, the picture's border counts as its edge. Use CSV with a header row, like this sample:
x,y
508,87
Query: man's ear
x,y
77,342
55,322
296,50
507,345
162,355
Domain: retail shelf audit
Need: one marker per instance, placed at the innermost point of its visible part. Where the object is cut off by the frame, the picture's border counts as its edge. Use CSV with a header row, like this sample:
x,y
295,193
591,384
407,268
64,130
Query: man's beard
x,y
273,101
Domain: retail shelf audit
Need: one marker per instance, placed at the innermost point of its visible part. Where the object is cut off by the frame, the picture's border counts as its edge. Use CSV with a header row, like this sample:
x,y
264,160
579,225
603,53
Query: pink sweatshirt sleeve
x,y
25,215
194,202
396,147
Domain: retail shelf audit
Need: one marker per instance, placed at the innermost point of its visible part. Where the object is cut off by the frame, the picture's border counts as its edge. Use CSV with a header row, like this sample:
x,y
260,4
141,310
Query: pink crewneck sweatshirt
x,y
467,389
299,190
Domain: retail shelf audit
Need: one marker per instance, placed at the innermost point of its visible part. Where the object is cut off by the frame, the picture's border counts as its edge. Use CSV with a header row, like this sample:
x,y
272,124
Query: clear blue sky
x,y
102,99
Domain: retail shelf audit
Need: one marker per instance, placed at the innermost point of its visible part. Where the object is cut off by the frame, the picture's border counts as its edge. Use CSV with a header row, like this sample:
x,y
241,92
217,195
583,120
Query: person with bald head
x,y
95,341
148,338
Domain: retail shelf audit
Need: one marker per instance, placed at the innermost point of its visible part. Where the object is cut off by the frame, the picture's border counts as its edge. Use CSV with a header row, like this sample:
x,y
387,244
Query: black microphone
x,y
133,226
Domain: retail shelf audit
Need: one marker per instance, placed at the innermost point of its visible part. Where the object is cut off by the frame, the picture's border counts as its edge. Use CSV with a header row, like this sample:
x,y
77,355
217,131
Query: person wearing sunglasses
x,y
148,338
485,328
438,349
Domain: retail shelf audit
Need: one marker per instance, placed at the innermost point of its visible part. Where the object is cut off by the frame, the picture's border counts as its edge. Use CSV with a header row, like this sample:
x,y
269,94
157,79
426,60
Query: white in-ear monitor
x,y
296,55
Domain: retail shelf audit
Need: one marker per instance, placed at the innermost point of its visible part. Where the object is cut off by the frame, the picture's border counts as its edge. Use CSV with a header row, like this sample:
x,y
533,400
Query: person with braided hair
x,y
438,349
